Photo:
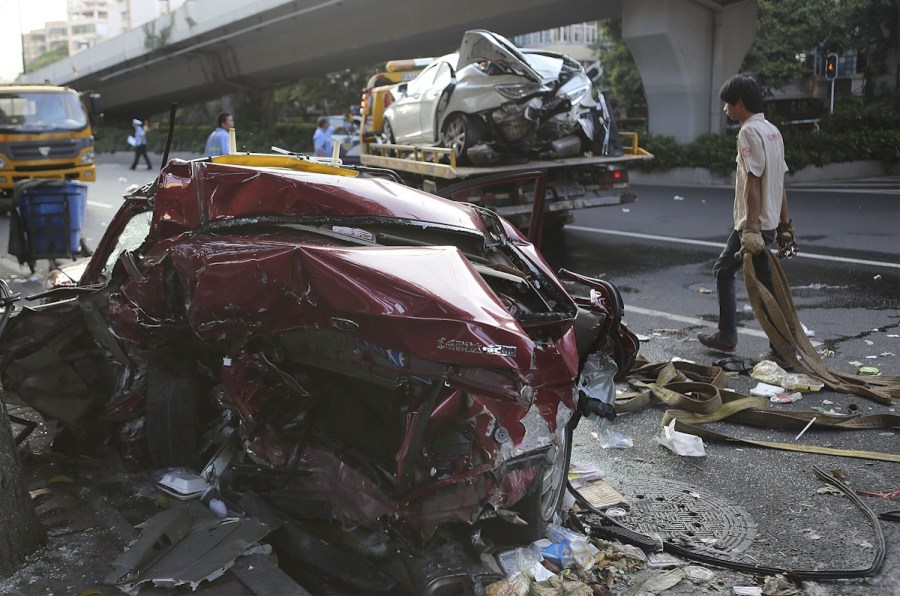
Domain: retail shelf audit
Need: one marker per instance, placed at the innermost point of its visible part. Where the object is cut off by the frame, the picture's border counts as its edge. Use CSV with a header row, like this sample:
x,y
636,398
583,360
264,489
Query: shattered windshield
x,y
41,112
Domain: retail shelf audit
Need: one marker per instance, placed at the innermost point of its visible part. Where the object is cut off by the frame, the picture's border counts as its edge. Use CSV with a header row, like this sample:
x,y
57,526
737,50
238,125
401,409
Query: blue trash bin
x,y
53,214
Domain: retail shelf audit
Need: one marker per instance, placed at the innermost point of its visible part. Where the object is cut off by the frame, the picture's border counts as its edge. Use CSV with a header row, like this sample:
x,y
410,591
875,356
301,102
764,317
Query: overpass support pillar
x,y
685,50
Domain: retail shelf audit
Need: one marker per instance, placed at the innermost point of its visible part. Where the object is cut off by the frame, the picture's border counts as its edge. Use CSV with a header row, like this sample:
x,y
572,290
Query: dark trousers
x,y
140,150
725,269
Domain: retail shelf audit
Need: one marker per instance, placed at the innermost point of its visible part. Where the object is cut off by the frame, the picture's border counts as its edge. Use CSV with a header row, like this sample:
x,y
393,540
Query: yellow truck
x,y
45,132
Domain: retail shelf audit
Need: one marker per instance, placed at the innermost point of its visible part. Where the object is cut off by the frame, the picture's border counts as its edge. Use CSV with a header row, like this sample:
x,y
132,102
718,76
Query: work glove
x,y
786,239
751,240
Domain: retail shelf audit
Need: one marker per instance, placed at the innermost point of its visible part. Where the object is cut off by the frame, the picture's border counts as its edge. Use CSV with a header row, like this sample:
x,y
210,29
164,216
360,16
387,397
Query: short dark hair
x,y
323,121
742,88
222,117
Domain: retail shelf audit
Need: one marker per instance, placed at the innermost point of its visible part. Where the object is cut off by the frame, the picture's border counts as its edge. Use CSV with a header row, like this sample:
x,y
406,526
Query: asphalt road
x,y
846,286
660,251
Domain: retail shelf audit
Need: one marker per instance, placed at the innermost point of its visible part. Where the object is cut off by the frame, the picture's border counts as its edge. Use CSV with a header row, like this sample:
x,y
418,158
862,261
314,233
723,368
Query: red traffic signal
x,y
831,66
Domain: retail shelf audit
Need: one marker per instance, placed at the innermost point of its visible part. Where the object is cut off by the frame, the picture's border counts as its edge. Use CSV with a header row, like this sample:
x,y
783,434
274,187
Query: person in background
x,y
322,138
760,212
217,143
140,144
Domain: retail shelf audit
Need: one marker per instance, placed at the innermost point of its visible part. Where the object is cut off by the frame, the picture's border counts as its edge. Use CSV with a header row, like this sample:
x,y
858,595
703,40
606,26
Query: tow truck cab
x,y
45,132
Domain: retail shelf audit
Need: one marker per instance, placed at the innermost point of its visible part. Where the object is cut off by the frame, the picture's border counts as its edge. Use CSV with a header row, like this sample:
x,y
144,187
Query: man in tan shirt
x,y
760,203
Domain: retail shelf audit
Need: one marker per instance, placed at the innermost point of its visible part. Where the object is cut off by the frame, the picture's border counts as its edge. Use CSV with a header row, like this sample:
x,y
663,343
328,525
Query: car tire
x,y
172,418
387,133
460,133
542,503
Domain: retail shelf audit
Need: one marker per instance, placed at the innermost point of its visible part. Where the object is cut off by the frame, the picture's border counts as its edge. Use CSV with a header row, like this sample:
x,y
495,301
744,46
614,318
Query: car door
x,y
406,123
431,97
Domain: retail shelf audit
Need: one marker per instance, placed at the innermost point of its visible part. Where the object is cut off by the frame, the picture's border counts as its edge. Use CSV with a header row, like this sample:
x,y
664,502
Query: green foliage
x,y
621,77
48,58
787,29
850,134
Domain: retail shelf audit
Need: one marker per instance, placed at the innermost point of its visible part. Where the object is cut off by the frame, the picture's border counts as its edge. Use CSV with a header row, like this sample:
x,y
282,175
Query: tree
x,y
47,58
21,532
788,29
620,73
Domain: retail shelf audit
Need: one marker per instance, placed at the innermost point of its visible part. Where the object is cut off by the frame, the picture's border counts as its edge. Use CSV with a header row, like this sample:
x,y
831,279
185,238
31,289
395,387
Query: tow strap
x,y
697,396
778,318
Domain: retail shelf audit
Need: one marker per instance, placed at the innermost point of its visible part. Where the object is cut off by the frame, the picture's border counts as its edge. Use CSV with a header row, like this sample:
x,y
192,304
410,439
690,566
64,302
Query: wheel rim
x,y
553,479
386,133
455,136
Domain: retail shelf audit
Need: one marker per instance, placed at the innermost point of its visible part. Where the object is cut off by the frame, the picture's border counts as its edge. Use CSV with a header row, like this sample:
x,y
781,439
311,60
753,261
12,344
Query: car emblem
x,y
344,324
44,151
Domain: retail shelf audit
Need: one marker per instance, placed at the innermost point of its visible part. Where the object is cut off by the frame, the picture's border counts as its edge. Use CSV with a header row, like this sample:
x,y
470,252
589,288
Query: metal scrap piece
x,y
174,550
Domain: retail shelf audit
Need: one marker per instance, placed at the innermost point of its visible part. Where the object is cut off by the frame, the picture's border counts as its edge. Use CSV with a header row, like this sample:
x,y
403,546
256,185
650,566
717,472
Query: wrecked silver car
x,y
364,351
491,99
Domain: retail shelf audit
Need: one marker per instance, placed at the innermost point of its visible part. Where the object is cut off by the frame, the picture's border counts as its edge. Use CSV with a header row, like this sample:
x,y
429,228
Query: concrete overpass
x,y
206,48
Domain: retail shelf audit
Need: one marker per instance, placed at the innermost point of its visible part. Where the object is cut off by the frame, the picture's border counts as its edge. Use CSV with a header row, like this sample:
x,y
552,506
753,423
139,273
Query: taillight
x,y
617,174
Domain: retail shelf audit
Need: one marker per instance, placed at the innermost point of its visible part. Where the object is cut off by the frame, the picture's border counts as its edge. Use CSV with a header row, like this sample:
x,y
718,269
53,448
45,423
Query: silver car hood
x,y
479,44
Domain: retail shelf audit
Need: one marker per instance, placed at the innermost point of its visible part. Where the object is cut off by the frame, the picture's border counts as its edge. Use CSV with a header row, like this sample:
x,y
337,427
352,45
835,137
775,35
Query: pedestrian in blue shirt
x,y
322,138
217,143
140,144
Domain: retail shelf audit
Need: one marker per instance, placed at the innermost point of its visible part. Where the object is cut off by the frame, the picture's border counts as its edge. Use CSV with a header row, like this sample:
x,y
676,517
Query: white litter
x,y
766,390
680,443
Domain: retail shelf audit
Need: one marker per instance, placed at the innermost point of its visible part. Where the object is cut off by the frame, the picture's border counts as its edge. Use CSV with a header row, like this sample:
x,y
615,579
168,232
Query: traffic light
x,y
831,66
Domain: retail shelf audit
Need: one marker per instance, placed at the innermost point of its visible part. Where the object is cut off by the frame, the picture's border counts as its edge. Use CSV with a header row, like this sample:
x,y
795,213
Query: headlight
x,y
518,91
2,162
87,157
574,93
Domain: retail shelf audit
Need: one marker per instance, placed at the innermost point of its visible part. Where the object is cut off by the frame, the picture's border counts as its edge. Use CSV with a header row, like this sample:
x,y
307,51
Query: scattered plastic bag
x,y
608,438
524,561
515,585
582,551
680,443
770,373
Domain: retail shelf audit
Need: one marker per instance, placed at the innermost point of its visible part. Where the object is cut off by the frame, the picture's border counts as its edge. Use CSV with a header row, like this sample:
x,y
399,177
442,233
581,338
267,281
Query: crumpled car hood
x,y
195,193
424,300
480,44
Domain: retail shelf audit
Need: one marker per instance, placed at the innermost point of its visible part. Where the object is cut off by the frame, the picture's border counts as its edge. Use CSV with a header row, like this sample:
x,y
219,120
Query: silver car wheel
x,y
455,135
554,476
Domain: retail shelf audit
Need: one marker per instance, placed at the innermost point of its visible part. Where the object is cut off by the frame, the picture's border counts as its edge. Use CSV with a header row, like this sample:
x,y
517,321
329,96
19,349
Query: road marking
x,y
649,312
102,205
683,319
721,245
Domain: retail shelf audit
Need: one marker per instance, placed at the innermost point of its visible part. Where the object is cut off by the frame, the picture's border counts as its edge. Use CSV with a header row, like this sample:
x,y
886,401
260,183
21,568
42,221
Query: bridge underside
x,y
207,48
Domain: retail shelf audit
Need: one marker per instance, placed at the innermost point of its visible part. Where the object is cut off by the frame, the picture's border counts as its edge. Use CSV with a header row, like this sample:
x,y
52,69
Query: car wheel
x,y
387,134
172,419
539,507
460,133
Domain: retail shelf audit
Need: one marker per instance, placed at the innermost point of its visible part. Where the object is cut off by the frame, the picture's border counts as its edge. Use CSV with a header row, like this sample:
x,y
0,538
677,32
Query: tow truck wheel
x,y
460,134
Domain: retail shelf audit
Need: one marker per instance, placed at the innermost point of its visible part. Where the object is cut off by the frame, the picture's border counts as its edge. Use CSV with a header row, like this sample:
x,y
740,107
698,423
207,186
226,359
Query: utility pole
x,y
21,35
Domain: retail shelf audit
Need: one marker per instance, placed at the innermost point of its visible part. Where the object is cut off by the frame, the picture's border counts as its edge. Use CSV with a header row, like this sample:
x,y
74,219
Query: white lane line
x,y
101,205
683,319
721,245
648,312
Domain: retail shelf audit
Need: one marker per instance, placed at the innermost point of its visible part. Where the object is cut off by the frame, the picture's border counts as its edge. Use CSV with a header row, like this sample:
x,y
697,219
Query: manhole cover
x,y
688,516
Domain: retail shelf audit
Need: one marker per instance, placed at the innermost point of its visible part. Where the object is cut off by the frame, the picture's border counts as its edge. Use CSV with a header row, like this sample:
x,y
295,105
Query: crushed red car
x,y
375,354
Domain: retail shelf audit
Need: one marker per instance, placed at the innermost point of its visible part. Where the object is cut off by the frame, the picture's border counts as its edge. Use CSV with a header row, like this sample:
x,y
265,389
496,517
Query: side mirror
x,y
594,71
91,101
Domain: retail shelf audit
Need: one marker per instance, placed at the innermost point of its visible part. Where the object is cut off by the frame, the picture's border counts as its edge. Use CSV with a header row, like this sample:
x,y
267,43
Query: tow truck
x,y
45,132
565,184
